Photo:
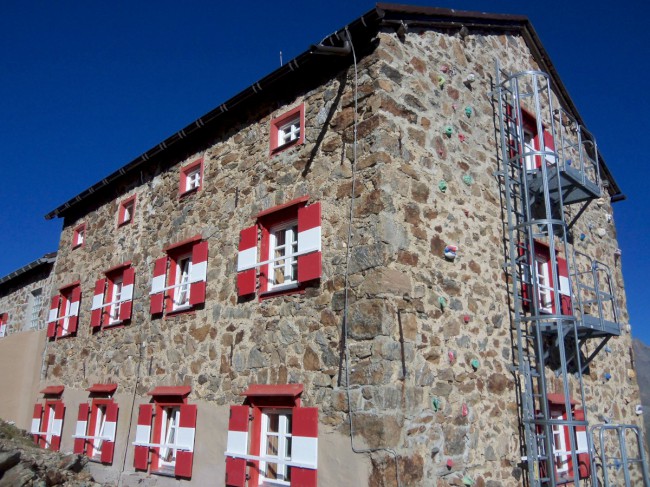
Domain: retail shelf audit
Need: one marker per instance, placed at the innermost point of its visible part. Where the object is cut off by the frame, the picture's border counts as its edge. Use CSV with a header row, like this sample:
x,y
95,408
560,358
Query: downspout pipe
x,y
332,50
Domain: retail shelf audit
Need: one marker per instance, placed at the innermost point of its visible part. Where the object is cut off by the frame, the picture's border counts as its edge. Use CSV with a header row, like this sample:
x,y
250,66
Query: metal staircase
x,y
547,161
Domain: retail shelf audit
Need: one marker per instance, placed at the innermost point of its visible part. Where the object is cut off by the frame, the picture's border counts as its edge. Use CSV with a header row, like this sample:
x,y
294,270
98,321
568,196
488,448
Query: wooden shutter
x,y
237,444
110,425
36,422
158,286
186,433
564,287
309,240
128,281
143,435
198,273
57,427
584,462
246,261
304,447
53,315
97,311
81,428
544,143
75,298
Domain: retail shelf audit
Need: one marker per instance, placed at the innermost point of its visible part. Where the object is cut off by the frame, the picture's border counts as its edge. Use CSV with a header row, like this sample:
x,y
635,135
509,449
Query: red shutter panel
x,y
81,428
186,432
158,286
546,144
128,283
246,261
564,287
97,311
198,273
53,315
584,463
143,435
74,309
309,240
110,425
57,427
304,447
237,444
36,422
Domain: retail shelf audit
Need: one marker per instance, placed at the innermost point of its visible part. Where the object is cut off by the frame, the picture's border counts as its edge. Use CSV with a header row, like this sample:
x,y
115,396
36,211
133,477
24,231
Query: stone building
x,y
331,277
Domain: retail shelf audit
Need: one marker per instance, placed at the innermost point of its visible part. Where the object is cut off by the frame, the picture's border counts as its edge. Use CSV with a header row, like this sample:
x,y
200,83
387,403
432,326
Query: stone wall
x,y
408,308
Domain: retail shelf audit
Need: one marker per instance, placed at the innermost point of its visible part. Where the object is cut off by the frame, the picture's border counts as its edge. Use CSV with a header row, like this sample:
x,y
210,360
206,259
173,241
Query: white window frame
x,y
116,300
560,458
171,416
193,179
100,422
66,312
283,434
544,288
182,282
36,302
289,260
127,214
529,150
289,132
50,425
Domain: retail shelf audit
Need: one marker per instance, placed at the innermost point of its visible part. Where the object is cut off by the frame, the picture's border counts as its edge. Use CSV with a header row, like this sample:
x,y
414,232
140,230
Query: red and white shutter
x,y
97,310
57,426
158,286
564,286
143,435
247,261
128,281
75,298
3,324
309,240
237,444
110,425
584,463
304,447
547,144
198,273
36,422
81,428
185,438
53,315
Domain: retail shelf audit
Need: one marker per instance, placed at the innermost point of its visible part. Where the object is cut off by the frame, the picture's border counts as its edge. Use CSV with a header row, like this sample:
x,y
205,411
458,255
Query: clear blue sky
x,y
85,87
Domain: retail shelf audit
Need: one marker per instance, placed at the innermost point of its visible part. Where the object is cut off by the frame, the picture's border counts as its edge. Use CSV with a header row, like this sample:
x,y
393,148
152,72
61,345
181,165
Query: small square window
x,y
191,177
79,236
288,129
126,211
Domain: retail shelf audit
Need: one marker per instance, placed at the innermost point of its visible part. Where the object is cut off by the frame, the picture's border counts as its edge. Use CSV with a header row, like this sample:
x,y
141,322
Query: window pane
x,y
272,445
274,423
271,471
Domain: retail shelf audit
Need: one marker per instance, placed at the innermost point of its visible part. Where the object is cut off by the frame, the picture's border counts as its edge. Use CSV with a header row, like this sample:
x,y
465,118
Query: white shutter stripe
x,y
158,284
309,240
127,293
564,286
237,442
57,427
185,438
36,426
80,430
109,430
198,271
98,301
142,433
246,259
304,450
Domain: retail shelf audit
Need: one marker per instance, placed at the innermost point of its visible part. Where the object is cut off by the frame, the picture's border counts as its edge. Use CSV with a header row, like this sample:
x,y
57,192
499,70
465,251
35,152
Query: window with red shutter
x,y
287,130
79,236
63,316
47,419
191,178
113,297
126,211
4,318
96,424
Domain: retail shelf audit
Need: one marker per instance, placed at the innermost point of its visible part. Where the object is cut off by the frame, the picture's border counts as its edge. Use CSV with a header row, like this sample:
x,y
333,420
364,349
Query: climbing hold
x,y
608,349
442,185
448,131
638,409
461,137
450,463
444,68
608,217
582,236
466,211
618,253
442,302
468,111
454,106
464,411
468,179
617,464
452,356
608,376
466,318
469,79
441,82
475,364
467,480
450,252
435,402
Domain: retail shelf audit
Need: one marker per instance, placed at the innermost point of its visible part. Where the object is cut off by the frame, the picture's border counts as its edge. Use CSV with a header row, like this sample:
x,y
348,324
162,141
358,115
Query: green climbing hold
x,y
442,185
442,302
467,480
441,82
435,402
468,111
449,130
475,363
468,179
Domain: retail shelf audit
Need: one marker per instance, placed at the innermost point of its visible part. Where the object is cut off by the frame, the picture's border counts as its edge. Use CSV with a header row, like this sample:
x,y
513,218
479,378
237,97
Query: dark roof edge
x,y
49,258
370,19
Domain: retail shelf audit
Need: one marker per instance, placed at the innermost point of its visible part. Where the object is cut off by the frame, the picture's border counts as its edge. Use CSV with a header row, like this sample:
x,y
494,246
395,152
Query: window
x,y
546,288
191,177
288,129
64,312
96,425
272,432
34,314
179,279
113,297
126,211
290,249
47,419
168,435
3,324
79,236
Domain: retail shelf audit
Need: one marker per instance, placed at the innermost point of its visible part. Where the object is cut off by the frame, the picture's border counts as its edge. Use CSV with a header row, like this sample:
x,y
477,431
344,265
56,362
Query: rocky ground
x,y
24,464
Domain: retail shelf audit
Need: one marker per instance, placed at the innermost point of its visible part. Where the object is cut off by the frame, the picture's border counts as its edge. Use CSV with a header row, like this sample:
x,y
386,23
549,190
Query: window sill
x,y
164,471
282,291
283,147
183,310
189,192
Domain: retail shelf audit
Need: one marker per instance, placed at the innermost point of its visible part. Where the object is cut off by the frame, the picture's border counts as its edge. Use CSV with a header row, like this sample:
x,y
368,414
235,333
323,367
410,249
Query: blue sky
x,y
85,87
